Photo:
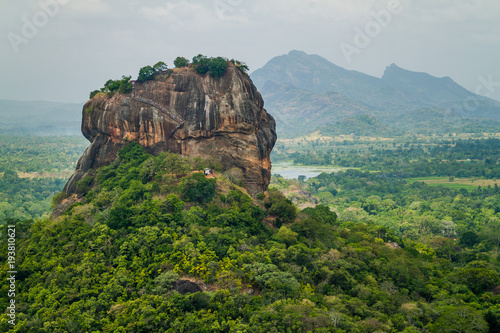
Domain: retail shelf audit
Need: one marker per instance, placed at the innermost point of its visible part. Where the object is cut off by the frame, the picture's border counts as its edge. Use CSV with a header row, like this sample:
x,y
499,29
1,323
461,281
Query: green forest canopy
x,y
113,263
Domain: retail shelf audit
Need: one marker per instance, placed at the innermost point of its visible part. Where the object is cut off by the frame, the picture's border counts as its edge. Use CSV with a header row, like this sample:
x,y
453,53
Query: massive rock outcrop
x,y
185,113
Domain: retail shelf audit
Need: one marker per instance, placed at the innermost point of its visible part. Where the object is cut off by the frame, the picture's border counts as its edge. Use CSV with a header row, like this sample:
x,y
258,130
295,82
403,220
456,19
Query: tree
x,y
461,319
93,93
10,176
491,234
287,236
111,85
217,67
165,281
180,62
198,188
478,276
469,239
125,86
322,214
493,319
146,73
133,151
268,276
160,66
280,206
200,63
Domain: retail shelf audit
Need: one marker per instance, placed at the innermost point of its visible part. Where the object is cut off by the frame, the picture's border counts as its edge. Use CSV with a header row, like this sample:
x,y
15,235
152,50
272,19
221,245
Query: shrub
x,y
89,110
58,198
240,65
84,184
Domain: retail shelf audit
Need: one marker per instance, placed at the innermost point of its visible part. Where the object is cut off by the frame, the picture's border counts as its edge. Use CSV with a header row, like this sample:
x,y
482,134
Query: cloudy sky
x,y
60,50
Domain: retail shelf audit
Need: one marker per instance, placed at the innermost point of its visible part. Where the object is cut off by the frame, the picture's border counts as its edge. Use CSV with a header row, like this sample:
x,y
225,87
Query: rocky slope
x,y
186,113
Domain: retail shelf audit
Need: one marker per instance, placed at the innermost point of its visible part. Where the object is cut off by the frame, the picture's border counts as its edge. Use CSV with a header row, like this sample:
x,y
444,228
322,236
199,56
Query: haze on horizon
x,y
74,46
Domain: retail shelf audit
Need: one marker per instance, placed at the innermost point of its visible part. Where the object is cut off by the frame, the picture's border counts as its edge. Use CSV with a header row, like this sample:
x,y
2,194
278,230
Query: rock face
x,y
186,287
188,114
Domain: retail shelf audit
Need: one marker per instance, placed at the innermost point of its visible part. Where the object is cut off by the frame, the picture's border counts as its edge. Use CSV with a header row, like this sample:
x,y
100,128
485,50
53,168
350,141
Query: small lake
x,y
290,171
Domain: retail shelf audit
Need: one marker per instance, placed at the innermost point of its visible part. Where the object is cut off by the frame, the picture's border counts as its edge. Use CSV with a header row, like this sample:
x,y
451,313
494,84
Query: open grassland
x,y
32,175
457,183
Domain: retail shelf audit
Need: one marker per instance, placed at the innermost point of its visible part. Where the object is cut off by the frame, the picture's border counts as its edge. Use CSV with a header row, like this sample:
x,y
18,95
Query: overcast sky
x,y
60,50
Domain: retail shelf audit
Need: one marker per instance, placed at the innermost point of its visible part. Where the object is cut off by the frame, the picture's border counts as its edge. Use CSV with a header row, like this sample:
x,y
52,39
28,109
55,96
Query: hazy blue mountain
x,y
298,87
362,125
40,118
441,120
423,88
298,111
314,73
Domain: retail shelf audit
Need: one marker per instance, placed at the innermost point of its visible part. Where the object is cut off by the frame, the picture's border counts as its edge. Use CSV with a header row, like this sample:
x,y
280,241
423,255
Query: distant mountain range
x,y
306,93
40,118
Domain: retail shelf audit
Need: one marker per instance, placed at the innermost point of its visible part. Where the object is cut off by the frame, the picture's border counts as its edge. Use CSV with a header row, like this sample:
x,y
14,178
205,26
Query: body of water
x,y
290,171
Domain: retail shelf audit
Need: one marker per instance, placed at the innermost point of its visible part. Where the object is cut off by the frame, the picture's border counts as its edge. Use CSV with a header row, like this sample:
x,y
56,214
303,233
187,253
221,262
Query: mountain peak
x,y
298,87
432,87
297,53
393,71
310,72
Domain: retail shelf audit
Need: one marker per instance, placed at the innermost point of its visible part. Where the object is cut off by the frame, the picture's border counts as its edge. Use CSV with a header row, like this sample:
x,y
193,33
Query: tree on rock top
x,y
217,67
148,72
180,62
200,62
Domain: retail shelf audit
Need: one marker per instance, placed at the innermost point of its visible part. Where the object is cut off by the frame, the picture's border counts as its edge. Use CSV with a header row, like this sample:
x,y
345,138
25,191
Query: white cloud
x,y
171,11
92,7
109,37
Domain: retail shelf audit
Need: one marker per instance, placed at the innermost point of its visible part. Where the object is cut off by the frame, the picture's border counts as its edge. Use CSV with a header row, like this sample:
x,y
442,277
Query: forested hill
x,y
158,247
